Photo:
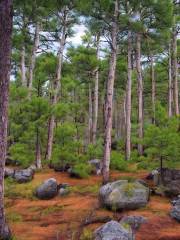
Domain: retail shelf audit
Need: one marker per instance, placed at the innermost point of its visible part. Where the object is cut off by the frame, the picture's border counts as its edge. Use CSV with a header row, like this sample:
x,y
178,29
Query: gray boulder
x,y
175,212
124,195
23,176
172,188
48,189
97,165
113,231
133,221
9,172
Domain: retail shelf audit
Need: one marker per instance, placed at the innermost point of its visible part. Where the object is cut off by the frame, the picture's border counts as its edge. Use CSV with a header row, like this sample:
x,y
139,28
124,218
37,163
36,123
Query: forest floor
x,y
63,218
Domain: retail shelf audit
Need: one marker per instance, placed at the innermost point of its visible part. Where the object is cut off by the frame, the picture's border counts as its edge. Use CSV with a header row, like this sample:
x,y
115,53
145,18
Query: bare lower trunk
x,y
90,117
33,58
23,67
153,93
128,99
170,89
56,90
38,150
5,53
96,98
175,72
140,92
109,97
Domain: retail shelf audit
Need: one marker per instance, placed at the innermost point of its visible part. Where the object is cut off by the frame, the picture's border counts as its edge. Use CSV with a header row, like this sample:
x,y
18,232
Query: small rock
x,y
23,176
113,231
97,165
176,201
63,192
133,221
48,189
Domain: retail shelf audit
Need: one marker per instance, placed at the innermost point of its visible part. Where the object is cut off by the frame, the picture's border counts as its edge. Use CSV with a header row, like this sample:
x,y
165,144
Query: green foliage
x,y
82,170
118,161
163,140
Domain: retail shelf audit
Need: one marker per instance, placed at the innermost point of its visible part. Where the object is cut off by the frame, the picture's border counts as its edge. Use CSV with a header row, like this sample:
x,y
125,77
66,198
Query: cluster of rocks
x,y
96,165
122,194
123,230
50,189
175,211
21,175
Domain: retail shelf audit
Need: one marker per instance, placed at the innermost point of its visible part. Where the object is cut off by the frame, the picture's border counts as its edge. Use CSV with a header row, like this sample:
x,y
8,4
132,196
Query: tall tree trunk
x,y
23,66
96,97
153,93
140,92
5,55
128,99
33,58
170,89
175,71
56,90
109,97
90,116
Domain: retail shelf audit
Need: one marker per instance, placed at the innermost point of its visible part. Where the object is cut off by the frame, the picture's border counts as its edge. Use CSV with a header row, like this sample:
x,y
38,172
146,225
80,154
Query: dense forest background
x,y
59,89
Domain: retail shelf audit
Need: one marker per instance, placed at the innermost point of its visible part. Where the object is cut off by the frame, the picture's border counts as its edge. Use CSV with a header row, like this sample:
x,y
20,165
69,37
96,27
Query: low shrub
x,y
118,162
81,170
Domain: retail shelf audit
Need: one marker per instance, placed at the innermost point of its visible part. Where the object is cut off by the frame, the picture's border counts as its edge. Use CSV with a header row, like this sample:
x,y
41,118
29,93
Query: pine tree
x,y
5,53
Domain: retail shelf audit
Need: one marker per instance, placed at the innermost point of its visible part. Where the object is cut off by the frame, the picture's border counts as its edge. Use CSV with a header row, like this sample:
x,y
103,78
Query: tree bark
x,y
90,116
128,99
5,56
140,92
153,92
56,90
96,97
33,58
109,97
23,67
175,71
170,88
38,150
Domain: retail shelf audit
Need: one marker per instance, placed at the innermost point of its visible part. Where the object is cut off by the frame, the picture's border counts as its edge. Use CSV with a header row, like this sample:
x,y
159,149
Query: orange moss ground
x,y
61,218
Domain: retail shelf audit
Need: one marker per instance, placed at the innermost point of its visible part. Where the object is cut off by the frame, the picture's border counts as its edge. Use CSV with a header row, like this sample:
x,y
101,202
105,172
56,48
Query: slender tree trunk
x,y
170,98
175,71
56,90
5,56
38,150
33,58
140,92
96,97
153,93
128,99
109,97
90,116
23,67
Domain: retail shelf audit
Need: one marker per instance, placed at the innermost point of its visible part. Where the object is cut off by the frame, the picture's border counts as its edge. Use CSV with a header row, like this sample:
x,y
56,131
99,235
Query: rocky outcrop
x,y
20,176
168,183
113,231
48,189
122,194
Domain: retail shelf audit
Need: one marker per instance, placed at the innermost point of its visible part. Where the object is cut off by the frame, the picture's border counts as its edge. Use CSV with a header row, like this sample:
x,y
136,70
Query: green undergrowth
x,y
15,190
